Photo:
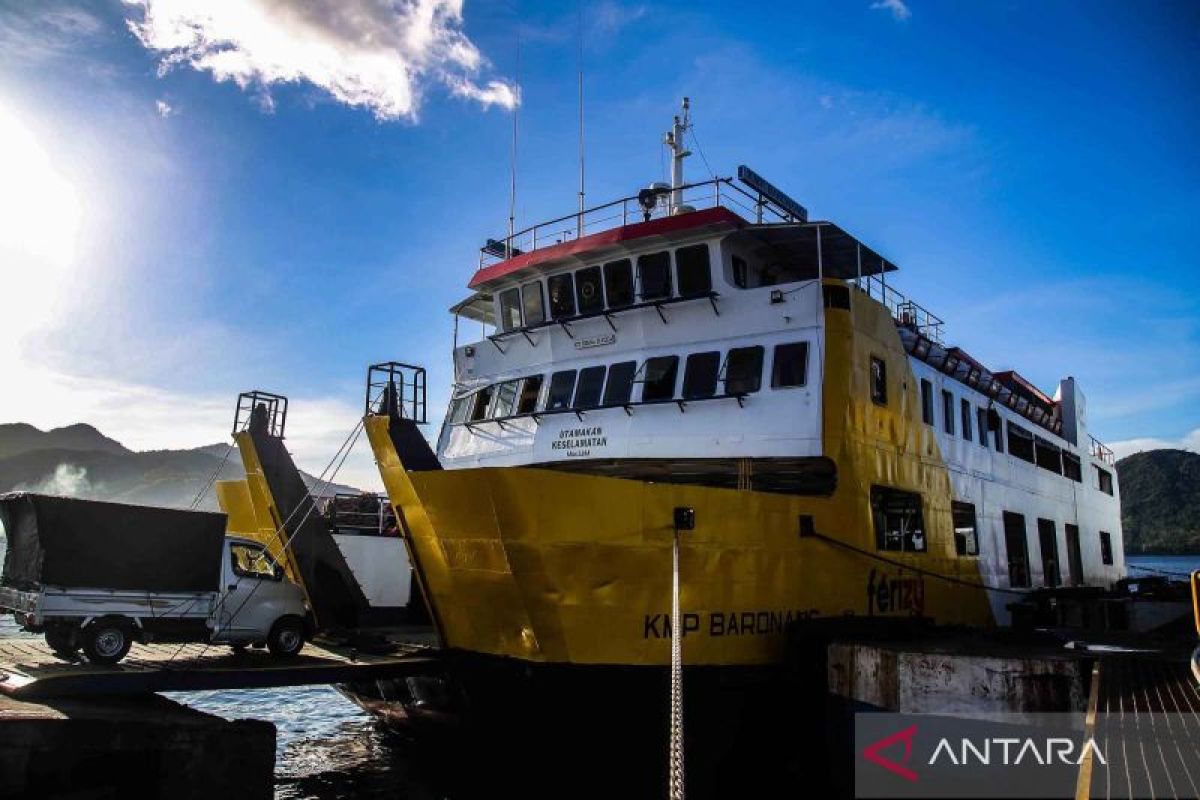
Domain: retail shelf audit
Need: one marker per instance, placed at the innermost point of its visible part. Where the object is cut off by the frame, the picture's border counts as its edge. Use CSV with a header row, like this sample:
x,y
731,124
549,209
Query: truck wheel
x,y
286,637
62,640
106,641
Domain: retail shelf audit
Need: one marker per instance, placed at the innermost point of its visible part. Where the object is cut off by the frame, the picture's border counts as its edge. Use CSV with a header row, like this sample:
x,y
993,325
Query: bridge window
x,y
587,391
562,386
1106,553
948,412
967,433
740,272
899,524
459,407
620,382
506,398
654,272
700,375
743,370
692,271
1104,480
1071,467
618,283
982,419
1020,442
1017,548
966,532
878,381
483,399
534,303
510,309
588,292
790,367
1047,455
927,401
530,389
562,295
659,380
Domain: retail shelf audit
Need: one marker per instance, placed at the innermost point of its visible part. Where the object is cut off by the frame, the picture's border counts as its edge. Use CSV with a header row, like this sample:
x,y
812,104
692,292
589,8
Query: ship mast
x,y
674,140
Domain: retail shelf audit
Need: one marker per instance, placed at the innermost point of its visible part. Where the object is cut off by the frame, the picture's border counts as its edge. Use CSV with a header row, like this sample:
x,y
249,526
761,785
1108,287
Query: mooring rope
x,y
1172,573
676,748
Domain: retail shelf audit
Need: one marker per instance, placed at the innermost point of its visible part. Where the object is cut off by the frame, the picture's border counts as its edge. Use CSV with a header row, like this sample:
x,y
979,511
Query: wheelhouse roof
x,y
842,255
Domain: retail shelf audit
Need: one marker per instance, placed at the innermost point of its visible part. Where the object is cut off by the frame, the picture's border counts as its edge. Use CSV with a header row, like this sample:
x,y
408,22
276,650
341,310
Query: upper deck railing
x,y
906,312
1100,451
712,193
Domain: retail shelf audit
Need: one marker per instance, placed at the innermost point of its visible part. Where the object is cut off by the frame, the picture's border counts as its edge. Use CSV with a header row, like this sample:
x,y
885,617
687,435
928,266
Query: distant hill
x,y
79,461
1160,501
18,437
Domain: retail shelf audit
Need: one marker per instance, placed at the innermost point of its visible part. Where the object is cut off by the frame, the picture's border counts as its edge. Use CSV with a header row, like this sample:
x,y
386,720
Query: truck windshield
x,y
250,562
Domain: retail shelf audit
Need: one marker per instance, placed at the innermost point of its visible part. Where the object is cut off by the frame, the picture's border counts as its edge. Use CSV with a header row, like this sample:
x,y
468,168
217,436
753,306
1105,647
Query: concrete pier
x,y
143,746
958,676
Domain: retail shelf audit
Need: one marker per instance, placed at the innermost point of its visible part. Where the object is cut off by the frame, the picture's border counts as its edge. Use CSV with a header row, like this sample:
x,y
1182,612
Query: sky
x,y
201,198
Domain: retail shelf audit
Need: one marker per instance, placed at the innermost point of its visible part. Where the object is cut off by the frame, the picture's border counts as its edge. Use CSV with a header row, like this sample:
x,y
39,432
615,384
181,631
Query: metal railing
x,y
907,312
1097,449
274,410
712,193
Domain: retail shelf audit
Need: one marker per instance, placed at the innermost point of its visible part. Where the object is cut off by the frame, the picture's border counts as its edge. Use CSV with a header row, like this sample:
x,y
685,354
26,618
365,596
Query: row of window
x,y
740,373
1022,443
610,287
900,527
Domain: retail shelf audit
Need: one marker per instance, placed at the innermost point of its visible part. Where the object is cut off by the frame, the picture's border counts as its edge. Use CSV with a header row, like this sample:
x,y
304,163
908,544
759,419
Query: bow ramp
x,y
344,549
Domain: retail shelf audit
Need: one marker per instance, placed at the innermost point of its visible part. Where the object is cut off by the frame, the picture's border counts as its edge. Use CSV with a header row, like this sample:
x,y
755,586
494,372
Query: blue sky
x,y
265,198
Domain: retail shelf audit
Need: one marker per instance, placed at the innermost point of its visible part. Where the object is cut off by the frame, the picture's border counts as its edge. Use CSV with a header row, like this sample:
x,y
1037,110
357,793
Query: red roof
x,y
639,230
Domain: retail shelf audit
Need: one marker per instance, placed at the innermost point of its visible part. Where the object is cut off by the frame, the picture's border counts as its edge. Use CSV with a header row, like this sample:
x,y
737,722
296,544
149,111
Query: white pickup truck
x,y
101,576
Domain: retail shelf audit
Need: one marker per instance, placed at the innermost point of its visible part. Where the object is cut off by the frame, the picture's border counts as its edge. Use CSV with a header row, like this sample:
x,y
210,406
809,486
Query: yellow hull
x,y
554,567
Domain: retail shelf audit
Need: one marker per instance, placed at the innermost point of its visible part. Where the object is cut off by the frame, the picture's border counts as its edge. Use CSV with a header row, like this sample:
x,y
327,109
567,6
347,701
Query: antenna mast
x,y
512,194
674,140
579,219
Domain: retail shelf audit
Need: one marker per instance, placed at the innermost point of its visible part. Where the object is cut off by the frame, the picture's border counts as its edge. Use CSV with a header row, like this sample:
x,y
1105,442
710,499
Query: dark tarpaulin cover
x,y
62,541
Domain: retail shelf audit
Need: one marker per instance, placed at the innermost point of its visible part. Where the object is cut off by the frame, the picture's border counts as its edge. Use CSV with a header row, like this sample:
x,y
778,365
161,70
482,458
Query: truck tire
x,y
62,639
286,638
106,641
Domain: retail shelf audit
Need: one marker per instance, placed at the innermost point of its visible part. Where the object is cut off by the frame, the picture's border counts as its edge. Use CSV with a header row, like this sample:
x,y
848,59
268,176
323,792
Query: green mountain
x,y
1160,501
79,461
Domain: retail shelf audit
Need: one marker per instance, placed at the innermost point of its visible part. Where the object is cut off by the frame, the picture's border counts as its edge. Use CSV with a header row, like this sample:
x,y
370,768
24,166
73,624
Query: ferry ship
x,y
703,354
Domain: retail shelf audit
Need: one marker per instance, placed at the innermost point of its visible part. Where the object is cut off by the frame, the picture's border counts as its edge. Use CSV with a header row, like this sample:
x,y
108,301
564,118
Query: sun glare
x,y
39,208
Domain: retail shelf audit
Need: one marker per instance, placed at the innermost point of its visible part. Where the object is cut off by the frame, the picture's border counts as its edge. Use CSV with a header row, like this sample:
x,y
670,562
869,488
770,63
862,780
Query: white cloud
x,y
374,54
1189,441
164,108
898,9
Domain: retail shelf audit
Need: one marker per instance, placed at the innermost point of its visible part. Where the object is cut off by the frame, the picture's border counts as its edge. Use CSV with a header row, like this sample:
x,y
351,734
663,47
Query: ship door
x,y
1074,555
